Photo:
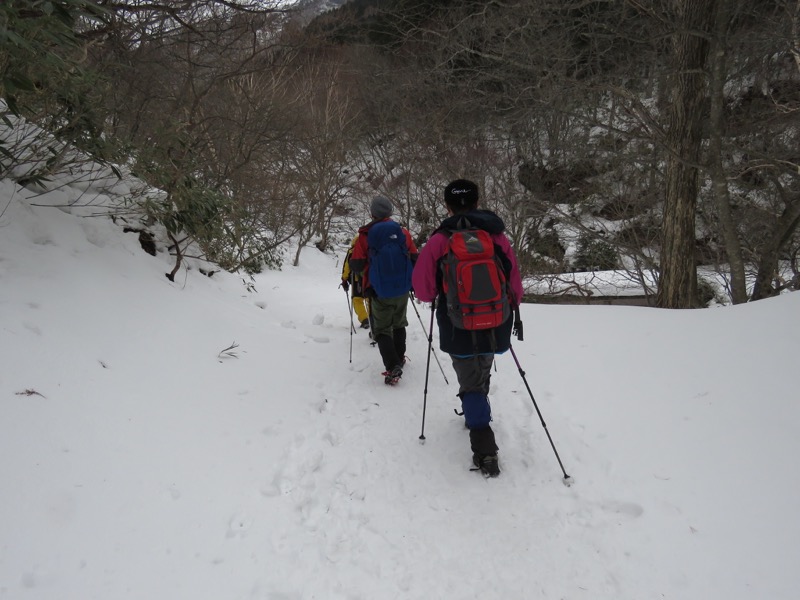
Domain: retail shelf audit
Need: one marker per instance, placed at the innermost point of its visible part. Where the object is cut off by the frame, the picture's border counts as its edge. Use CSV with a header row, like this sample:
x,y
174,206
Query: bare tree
x,y
780,164
718,78
198,100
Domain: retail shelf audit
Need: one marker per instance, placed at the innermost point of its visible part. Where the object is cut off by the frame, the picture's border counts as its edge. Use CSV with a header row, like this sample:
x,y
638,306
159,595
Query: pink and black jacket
x,y
427,282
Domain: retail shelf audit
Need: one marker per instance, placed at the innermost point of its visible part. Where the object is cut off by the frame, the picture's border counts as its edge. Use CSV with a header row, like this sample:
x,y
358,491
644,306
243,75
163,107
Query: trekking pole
x,y
352,327
427,369
567,479
430,347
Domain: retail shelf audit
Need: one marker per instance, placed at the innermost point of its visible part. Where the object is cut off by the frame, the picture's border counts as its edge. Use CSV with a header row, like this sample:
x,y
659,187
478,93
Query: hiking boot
x,y
365,324
487,464
393,376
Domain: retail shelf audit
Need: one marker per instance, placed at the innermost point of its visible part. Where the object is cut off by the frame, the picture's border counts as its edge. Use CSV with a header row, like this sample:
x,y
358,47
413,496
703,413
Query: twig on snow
x,y
228,352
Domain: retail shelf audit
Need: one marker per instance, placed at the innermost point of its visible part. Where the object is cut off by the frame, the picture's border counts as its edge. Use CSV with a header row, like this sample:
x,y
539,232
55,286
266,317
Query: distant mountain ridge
x,y
311,9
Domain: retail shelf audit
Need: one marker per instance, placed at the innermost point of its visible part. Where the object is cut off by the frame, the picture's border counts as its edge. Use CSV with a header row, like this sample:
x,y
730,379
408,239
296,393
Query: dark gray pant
x,y
473,372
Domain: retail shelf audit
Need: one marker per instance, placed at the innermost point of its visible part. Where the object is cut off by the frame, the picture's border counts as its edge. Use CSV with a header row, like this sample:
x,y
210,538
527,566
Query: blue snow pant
x,y
474,373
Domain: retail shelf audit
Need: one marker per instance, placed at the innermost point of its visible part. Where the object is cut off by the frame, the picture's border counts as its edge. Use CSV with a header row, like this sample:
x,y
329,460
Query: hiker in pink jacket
x,y
472,352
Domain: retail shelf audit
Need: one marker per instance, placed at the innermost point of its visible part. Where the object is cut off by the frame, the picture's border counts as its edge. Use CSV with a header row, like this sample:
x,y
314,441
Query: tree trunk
x,y
719,180
770,251
678,281
789,220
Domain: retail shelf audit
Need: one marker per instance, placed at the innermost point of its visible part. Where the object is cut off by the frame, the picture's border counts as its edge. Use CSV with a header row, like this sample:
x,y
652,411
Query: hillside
x,y
573,118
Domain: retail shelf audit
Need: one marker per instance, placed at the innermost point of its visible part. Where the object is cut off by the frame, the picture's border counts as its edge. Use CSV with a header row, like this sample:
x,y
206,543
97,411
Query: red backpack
x,y
474,281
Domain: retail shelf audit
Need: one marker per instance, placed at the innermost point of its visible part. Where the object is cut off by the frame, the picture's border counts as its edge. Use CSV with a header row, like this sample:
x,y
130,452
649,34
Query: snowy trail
x,y
375,491
146,465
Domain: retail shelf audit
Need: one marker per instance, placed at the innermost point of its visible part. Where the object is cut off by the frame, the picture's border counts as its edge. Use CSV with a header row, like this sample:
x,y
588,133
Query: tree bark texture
x,y
678,281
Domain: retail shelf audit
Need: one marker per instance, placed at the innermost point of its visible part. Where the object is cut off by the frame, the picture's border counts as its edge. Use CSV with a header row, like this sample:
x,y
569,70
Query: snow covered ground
x,y
140,461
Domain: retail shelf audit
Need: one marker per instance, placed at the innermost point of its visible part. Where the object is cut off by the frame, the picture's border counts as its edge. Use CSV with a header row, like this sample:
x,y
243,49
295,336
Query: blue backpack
x,y
389,260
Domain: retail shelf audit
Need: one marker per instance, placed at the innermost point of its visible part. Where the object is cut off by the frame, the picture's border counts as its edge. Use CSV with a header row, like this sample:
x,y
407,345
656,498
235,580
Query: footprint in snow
x,y
32,328
238,525
628,509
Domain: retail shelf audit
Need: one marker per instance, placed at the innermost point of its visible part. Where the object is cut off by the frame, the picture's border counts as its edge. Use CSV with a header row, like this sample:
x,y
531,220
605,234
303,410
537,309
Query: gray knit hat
x,y
380,207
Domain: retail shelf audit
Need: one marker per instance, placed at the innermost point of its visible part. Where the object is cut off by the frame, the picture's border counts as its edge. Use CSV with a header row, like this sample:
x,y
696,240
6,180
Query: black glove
x,y
345,285
517,330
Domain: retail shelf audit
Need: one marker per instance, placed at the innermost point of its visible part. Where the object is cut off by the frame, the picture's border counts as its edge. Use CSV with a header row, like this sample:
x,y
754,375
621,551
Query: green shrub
x,y
595,255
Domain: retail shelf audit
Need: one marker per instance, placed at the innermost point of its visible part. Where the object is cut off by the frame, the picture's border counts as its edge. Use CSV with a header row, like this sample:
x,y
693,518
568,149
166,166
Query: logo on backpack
x,y
389,260
474,281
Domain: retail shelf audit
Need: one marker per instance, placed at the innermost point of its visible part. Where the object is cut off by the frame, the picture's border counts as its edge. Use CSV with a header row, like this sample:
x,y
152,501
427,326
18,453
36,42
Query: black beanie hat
x,y
380,208
461,193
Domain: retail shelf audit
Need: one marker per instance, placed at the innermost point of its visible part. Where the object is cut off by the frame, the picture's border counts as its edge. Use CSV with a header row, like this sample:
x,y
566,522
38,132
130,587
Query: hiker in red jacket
x,y
384,257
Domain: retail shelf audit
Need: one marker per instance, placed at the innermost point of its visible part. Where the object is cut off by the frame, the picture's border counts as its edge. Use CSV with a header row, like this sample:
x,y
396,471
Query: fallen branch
x,y
30,392
228,352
